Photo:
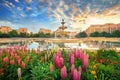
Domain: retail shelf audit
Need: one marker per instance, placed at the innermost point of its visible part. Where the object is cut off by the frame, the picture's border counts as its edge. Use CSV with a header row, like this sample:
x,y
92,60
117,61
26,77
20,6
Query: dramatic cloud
x,y
17,1
78,14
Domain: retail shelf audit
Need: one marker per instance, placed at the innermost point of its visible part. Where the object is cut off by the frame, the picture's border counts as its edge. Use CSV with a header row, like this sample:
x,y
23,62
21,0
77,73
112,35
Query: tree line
x,y
14,34
115,33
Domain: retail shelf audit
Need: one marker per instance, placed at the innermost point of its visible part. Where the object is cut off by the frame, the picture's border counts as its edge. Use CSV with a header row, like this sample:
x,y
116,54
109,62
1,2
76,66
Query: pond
x,y
85,45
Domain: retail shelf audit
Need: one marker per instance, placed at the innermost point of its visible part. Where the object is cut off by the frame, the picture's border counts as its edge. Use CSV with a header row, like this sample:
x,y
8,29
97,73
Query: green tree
x,y
116,33
105,34
95,34
23,34
48,35
41,34
13,33
81,34
0,34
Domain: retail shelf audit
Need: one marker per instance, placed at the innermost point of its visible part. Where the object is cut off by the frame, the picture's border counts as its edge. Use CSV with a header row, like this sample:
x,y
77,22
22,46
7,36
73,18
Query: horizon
x,y
78,14
58,27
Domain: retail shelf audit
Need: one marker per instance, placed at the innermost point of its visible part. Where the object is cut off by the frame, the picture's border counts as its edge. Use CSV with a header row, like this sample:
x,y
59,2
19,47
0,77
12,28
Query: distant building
x,y
45,31
22,30
109,27
5,29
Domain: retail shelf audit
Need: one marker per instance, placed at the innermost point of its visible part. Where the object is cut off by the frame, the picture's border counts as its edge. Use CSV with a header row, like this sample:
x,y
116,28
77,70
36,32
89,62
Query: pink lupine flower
x,y
76,53
17,57
12,62
71,58
58,61
59,53
70,54
23,65
80,69
5,60
72,70
85,61
79,72
63,73
61,61
12,54
80,53
75,75
19,62
55,58
7,50
19,72
24,48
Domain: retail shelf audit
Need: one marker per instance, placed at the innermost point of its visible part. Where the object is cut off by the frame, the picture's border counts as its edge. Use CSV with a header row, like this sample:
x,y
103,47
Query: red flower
x,y
63,73
118,62
5,60
19,61
12,62
23,65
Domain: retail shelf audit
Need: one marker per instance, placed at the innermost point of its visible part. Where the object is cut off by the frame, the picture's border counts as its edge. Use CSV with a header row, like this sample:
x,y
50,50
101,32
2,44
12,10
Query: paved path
x,y
10,40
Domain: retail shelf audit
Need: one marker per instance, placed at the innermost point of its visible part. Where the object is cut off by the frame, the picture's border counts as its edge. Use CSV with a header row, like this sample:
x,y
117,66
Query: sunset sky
x,y
78,14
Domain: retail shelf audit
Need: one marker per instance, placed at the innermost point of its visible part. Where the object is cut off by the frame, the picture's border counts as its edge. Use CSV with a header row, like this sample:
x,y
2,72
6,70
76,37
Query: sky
x,y
78,14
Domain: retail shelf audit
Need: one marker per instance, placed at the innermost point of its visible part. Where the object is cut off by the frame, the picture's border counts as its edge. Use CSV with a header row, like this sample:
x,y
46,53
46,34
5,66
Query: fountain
x,y
62,28
64,42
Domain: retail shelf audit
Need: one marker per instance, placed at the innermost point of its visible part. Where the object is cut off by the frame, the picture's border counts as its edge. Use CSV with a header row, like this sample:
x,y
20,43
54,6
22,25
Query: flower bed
x,y
20,63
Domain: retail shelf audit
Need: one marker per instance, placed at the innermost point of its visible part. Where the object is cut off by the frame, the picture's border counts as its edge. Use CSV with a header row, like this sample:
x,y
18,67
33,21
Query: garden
x,y
19,63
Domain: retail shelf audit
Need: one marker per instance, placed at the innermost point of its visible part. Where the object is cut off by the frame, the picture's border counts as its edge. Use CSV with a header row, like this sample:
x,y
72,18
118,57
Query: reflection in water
x,y
33,45
86,45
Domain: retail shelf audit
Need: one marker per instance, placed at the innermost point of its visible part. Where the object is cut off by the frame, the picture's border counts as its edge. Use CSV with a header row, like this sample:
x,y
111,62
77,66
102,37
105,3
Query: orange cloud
x,y
107,11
